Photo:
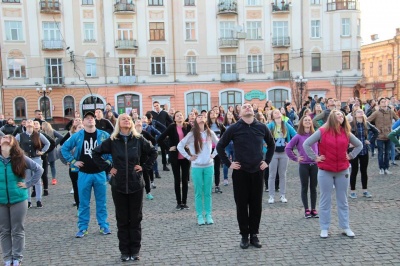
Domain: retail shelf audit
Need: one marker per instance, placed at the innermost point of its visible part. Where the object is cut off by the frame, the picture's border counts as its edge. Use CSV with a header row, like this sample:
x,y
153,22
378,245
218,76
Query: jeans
x,y
53,169
392,152
217,167
231,155
372,140
383,153
178,166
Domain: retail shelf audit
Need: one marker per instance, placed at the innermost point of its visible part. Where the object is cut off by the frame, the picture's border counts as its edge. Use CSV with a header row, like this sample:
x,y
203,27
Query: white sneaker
x,y
153,185
283,199
324,234
387,172
271,200
348,232
381,172
72,191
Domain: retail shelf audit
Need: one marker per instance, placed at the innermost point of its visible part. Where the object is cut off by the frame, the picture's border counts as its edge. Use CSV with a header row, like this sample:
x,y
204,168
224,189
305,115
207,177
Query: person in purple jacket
x,y
308,168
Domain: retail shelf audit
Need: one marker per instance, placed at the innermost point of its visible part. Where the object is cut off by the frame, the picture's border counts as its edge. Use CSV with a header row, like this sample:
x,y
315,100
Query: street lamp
x,y
301,83
44,92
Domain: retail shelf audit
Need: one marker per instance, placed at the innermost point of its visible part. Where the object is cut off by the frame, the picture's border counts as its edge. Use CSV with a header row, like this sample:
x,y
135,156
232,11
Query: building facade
x,y
188,53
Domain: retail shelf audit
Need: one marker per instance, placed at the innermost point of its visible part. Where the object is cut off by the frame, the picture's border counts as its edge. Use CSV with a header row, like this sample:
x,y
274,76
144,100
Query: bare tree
x,y
297,97
338,83
376,90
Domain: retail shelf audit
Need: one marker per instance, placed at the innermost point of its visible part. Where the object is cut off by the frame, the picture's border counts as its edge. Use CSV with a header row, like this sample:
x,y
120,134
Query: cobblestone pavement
x,y
172,237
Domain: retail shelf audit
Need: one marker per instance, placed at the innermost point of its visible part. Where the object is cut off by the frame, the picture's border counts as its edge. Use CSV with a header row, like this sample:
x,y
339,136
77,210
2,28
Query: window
x,y
190,31
90,67
226,29
231,98
363,69
125,31
16,68
189,2
345,27
54,71
315,62
69,106
380,68
156,2
127,102
13,30
88,28
127,67
281,62
158,66
91,103
346,60
228,64
191,65
198,100
315,2
11,1
254,30
157,31
358,27
253,2
315,29
20,108
255,64
51,31
371,69
389,67
280,33
87,2
358,59
278,97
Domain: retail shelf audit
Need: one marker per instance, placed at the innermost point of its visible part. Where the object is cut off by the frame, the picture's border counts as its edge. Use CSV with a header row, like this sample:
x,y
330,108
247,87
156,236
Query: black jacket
x,y
8,129
125,155
173,140
162,117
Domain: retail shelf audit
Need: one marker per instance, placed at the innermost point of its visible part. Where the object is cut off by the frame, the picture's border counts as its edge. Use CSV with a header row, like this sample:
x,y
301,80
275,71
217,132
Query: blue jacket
x,y
290,132
76,141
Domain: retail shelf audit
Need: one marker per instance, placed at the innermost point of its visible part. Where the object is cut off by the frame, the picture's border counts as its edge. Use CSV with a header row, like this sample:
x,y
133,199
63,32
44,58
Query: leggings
x,y
308,176
362,161
179,165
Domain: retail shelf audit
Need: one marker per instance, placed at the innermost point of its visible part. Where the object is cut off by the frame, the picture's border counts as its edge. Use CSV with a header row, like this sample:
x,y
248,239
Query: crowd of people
x,y
256,143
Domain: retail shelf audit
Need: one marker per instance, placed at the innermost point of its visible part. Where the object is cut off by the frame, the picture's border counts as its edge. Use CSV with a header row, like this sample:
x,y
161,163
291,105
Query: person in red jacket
x,y
333,168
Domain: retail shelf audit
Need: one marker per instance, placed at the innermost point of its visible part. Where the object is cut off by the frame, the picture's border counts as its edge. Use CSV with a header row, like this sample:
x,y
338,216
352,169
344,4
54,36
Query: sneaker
x,y
209,219
45,192
54,181
29,205
353,195
158,175
307,214
226,182
39,204
81,233
244,243
165,168
125,257
149,196
184,207
8,263
271,200
72,191
283,199
178,207
105,231
200,220
218,190
255,242
135,257
348,232
394,164
314,214
387,172
324,234
266,190
381,172
16,263
153,185
367,194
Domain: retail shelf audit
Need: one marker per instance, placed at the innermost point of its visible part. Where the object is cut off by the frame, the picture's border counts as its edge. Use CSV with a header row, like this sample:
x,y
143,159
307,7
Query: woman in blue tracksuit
x,y
282,133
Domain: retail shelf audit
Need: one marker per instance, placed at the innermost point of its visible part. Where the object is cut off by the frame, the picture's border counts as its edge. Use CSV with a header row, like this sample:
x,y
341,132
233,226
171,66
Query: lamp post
x,y
301,83
43,91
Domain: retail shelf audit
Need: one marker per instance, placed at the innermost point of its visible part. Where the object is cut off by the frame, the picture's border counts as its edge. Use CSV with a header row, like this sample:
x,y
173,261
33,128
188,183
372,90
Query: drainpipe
x,y
173,39
104,41
302,38
1,83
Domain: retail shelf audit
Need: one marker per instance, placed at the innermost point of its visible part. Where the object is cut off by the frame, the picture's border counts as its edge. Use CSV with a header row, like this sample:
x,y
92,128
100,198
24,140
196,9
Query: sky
x,y
380,17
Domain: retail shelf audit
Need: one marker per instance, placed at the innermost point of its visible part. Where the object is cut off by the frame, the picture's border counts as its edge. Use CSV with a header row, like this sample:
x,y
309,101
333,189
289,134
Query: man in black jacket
x,y
248,136
162,117
102,123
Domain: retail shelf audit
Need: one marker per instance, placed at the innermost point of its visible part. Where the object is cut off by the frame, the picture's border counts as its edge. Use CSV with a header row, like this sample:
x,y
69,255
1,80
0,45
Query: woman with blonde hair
x,y
52,156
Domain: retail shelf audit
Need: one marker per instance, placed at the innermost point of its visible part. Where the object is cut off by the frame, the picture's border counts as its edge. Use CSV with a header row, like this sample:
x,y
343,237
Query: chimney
x,y
374,37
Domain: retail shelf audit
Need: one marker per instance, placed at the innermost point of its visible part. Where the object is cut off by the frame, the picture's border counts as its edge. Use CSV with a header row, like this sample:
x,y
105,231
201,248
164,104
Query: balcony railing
x,y
54,80
50,6
126,44
227,7
228,43
343,5
280,7
124,8
229,77
281,41
52,45
127,80
282,75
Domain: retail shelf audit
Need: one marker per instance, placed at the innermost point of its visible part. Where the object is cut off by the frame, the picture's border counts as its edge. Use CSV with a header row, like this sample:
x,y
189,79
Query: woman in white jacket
x,y
199,144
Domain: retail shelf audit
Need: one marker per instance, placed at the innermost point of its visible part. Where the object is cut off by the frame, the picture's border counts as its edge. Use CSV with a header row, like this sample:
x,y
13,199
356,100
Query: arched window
x,y
20,108
91,103
278,97
45,107
69,106
231,98
127,102
198,100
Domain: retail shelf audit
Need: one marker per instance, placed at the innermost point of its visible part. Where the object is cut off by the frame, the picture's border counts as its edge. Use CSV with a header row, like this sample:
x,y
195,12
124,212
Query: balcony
x,y
227,7
343,5
123,8
229,77
228,43
50,6
52,45
280,7
280,41
127,80
282,75
126,44
54,81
